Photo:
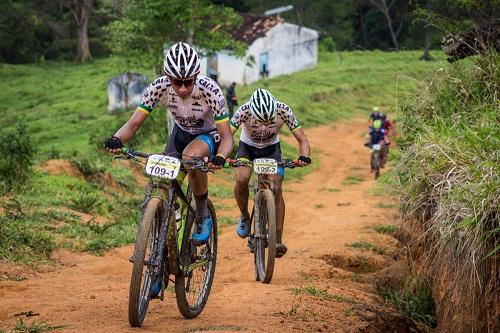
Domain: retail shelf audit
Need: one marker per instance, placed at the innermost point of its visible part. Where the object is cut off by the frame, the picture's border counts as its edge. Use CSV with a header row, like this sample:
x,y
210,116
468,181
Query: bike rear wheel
x,y
264,238
197,268
146,266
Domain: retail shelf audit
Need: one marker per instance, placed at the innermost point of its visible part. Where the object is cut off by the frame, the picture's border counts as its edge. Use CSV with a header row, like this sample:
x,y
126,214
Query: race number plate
x,y
265,166
376,147
162,166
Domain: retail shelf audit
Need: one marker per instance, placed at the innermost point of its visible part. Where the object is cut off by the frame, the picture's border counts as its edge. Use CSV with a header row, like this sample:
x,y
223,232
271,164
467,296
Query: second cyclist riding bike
x,y
262,240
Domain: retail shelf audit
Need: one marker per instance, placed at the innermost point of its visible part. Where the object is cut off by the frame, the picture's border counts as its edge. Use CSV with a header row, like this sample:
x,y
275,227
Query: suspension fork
x,y
167,206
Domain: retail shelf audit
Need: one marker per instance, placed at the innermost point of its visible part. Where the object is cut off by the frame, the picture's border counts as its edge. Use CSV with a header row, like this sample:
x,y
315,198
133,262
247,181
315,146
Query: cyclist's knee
x,y
242,180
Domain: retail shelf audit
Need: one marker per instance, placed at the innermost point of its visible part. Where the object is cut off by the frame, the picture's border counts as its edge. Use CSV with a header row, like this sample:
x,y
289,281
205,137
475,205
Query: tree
x,y
383,7
144,28
472,26
81,11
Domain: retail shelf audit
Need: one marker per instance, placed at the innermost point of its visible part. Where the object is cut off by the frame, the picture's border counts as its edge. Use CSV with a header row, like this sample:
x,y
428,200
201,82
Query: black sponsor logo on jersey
x,y
262,136
209,85
172,106
190,122
257,124
196,107
245,107
221,103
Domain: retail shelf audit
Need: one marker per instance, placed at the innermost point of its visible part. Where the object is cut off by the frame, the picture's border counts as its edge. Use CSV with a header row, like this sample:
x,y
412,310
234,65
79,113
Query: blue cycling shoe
x,y
156,289
243,229
202,230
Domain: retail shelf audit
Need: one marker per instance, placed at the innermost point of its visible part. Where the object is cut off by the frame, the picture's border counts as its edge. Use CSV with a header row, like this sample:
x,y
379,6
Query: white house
x,y
275,47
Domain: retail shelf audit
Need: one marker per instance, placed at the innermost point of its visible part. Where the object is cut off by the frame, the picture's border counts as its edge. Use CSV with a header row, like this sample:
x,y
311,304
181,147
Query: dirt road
x,y
326,211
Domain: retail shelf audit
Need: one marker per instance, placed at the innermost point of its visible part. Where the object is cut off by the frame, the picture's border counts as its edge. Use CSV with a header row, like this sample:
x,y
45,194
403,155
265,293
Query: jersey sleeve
x,y
220,112
153,93
239,116
214,98
286,114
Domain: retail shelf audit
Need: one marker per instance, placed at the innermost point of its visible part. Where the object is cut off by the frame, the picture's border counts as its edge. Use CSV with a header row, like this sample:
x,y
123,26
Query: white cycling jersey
x,y
260,135
196,114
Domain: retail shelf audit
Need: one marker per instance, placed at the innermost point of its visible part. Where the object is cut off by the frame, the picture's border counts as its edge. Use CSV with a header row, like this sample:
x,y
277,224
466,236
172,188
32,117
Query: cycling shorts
x,y
251,153
179,140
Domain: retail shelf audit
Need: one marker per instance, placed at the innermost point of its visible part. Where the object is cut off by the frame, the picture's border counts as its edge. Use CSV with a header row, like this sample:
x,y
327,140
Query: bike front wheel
x,y
145,268
197,268
264,238
375,162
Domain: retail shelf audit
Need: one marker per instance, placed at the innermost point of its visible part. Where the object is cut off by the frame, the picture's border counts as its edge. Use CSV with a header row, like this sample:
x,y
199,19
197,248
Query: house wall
x,y
289,49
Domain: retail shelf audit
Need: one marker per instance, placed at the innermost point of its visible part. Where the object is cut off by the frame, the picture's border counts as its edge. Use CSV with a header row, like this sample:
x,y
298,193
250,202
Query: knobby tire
x,y
184,281
265,226
140,294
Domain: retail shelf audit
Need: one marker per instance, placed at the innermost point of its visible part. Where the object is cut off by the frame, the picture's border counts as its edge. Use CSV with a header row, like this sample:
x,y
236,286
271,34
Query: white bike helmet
x,y
263,105
181,61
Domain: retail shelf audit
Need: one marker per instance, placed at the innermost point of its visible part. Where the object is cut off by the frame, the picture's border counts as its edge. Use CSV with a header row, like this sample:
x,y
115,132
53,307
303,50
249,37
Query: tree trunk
x,y
427,44
81,10
382,6
391,29
427,36
82,46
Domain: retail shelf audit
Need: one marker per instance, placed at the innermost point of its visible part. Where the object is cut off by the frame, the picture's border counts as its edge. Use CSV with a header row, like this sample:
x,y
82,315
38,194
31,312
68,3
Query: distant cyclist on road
x,y
261,119
201,123
377,136
377,115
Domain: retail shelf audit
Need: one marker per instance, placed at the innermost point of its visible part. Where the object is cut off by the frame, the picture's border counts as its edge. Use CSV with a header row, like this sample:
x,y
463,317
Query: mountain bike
x,y
375,160
163,245
262,240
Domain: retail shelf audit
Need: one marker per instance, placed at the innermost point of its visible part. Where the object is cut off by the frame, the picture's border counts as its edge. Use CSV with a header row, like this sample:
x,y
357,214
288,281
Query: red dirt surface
x,y
90,294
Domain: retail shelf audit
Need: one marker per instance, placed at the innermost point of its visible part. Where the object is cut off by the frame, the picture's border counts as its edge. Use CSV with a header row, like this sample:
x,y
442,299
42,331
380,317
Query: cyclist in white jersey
x,y
201,123
261,119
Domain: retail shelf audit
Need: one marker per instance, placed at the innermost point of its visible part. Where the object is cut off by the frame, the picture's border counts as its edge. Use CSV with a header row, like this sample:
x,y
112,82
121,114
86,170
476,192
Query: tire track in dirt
x,y
91,293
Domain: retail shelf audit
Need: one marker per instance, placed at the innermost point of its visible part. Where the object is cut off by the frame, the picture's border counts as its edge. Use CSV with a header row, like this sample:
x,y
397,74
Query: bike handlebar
x,y
133,153
195,163
198,163
285,163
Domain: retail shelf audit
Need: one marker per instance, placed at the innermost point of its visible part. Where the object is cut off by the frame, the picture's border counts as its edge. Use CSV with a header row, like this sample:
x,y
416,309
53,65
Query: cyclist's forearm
x,y
226,139
226,147
127,131
304,147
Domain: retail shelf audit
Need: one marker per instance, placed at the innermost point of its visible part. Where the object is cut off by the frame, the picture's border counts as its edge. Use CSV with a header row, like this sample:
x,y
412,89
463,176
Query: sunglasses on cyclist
x,y
186,83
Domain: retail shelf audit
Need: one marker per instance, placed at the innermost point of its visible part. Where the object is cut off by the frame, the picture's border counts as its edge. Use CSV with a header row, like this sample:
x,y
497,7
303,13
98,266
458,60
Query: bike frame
x,y
169,192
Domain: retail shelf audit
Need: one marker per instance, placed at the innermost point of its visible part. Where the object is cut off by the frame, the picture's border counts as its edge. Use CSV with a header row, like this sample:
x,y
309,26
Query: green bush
x,y
21,241
414,300
327,44
17,158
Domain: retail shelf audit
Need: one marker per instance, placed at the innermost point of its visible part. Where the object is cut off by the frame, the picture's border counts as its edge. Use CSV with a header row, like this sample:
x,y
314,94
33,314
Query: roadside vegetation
x,y
65,117
449,177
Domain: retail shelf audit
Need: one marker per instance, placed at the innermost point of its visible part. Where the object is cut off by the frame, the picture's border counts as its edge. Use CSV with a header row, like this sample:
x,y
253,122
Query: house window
x,y
264,65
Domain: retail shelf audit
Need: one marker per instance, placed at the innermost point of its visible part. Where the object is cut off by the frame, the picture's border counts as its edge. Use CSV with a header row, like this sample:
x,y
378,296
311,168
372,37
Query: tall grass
x,y
449,174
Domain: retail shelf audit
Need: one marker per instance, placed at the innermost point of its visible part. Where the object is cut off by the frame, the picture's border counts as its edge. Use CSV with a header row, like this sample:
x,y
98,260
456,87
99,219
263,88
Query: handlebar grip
x,y
130,151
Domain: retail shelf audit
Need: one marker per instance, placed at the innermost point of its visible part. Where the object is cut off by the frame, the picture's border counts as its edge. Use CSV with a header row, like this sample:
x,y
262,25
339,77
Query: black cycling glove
x,y
219,160
113,143
304,159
